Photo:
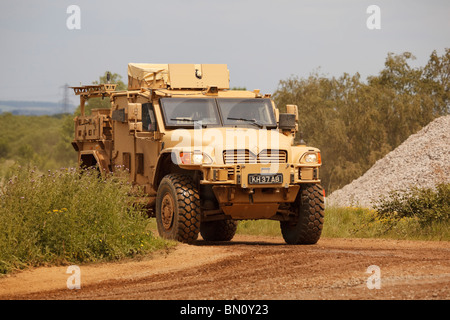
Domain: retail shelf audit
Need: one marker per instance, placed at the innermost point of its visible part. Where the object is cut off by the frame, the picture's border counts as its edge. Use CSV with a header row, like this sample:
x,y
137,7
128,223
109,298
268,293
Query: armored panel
x,y
198,76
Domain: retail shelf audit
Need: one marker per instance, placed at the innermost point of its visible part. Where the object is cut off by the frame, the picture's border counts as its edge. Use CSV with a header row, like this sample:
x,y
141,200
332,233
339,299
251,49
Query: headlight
x,y
311,158
196,158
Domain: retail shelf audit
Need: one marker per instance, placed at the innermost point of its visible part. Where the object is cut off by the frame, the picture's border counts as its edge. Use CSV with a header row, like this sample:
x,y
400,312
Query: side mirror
x,y
287,121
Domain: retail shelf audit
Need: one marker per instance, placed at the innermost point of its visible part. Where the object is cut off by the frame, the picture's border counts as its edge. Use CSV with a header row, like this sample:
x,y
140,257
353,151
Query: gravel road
x,y
254,267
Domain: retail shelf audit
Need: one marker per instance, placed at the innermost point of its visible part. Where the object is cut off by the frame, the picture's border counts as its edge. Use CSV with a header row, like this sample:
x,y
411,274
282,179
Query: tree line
x,y
356,122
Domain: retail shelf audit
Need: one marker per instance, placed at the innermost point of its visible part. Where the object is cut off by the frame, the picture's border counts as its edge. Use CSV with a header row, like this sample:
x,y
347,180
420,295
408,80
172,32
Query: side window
x,y
148,117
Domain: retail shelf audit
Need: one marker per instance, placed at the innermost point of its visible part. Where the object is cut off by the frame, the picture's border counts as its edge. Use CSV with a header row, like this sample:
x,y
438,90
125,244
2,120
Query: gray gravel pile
x,y
423,160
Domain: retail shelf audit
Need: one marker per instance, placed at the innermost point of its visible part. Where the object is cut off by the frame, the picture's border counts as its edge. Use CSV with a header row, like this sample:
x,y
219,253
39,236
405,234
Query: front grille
x,y
272,156
238,156
245,156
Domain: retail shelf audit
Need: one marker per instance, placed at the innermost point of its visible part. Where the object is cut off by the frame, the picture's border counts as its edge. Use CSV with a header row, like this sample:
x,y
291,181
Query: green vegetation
x,y
259,227
419,214
355,123
425,208
69,216
41,140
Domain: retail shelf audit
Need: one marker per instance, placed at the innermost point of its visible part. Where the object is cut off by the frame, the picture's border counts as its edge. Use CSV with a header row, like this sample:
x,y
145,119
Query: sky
x,y
261,41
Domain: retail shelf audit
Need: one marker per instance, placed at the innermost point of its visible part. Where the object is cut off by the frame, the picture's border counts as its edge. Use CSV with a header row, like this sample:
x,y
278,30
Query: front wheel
x,y
178,208
309,206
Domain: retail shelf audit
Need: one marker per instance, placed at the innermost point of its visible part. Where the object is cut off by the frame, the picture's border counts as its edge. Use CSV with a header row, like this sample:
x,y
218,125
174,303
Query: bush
x,y
425,205
351,222
69,216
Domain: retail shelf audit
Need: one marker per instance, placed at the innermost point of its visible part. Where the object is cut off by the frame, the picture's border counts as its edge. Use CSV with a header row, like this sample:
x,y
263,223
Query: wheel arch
x,y
165,166
92,158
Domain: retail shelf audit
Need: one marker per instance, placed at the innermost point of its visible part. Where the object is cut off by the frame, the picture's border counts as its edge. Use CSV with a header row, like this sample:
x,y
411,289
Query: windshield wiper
x,y
252,121
183,119
188,119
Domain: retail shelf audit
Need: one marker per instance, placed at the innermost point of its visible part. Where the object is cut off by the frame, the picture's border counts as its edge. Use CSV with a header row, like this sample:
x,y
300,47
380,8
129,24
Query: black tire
x,y
310,208
178,208
220,230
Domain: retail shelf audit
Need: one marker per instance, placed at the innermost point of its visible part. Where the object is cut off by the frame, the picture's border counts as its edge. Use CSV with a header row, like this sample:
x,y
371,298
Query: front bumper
x,y
240,198
238,174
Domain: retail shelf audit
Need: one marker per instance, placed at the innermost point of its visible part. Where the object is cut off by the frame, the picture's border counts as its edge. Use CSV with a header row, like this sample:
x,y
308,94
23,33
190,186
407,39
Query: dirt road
x,y
254,267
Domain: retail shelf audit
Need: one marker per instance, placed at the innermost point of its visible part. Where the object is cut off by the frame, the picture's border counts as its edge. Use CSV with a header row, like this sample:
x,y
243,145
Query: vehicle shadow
x,y
231,243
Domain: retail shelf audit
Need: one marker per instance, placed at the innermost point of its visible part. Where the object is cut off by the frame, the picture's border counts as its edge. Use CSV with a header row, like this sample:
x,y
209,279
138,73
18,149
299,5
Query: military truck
x,y
204,155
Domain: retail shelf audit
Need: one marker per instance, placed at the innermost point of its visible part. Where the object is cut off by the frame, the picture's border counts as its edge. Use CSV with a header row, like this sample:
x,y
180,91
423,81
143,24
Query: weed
x,y
69,216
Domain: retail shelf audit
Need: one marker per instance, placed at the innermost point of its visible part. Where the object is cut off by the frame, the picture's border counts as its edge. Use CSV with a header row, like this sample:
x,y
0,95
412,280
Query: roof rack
x,y
93,91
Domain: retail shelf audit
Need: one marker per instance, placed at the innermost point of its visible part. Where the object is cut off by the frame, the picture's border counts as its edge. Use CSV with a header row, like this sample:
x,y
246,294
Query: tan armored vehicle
x,y
206,156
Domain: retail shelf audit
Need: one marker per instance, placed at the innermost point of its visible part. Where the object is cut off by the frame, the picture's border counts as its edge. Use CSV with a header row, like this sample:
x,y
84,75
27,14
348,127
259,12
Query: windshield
x,y
237,112
185,112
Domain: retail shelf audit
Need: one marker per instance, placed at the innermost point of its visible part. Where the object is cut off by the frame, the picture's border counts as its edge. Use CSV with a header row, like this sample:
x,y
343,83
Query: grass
x,y
69,216
353,222
368,223
259,227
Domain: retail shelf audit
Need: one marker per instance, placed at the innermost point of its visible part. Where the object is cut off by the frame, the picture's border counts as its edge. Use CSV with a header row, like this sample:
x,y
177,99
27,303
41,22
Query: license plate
x,y
265,178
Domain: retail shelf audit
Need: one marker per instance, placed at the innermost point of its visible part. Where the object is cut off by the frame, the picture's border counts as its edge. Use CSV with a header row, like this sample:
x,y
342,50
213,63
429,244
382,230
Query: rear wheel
x,y
220,230
178,208
309,206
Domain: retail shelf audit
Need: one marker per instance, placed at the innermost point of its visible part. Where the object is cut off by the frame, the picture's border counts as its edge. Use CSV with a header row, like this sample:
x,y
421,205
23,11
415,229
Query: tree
x,y
355,123
436,81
